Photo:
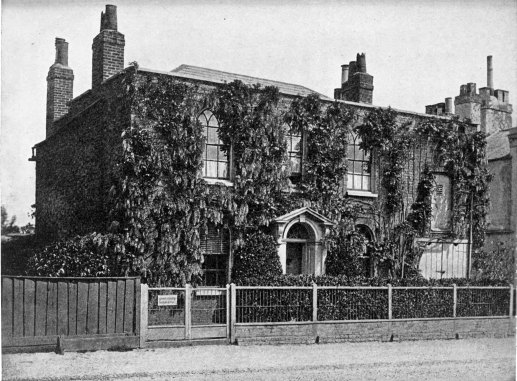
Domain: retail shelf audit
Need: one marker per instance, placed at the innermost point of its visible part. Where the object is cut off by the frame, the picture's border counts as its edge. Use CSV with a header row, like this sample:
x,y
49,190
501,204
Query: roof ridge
x,y
241,75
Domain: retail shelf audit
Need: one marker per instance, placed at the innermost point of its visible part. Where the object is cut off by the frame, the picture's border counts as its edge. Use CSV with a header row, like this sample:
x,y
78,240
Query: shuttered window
x,y
215,246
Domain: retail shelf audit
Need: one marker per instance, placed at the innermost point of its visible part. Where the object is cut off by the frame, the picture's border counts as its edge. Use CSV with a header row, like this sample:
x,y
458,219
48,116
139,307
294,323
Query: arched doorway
x,y
299,249
300,235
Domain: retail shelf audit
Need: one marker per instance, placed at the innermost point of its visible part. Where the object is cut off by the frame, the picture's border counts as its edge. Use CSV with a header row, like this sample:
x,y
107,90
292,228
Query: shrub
x,y
257,257
91,255
16,252
496,261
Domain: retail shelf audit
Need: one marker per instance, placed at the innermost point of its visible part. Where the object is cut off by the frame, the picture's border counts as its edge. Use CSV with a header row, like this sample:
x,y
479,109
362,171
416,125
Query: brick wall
x,y
108,55
75,167
60,83
374,330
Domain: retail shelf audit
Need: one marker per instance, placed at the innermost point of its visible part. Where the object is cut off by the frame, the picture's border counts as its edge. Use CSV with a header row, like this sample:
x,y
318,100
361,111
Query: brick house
x,y
75,164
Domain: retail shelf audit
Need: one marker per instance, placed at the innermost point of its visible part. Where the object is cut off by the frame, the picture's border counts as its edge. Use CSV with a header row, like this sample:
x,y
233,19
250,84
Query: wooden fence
x,y
40,313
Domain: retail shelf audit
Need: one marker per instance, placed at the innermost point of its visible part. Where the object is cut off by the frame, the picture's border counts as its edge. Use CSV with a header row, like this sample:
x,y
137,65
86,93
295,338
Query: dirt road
x,y
476,359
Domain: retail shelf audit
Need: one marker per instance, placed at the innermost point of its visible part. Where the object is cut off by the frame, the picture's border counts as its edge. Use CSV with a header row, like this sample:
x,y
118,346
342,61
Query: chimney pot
x,y
109,18
361,63
61,51
489,73
448,105
344,73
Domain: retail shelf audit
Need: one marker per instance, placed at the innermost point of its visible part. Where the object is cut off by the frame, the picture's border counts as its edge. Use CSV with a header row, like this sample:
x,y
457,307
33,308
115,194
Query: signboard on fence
x,y
167,300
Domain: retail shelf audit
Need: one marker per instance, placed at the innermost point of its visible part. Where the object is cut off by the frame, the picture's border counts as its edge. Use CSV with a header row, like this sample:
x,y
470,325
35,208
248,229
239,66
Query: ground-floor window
x,y
215,246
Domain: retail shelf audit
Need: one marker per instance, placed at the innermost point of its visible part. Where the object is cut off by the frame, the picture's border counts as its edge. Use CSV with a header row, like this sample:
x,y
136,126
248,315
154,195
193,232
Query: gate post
x,y
390,301
144,310
233,318
454,300
228,316
188,311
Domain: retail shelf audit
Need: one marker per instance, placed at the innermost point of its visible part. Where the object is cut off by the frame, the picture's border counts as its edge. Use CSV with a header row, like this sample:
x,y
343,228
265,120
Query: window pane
x,y
295,164
211,153
213,121
213,137
366,183
295,143
357,181
349,181
223,170
358,166
350,152
211,169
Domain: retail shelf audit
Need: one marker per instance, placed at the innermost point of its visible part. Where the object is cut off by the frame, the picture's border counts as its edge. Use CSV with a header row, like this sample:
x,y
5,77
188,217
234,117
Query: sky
x,y
419,53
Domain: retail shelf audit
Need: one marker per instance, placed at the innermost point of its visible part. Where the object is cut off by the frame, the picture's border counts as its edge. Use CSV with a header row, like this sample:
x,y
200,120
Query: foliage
x,y
390,140
461,153
258,255
495,262
251,124
8,227
159,204
90,255
333,304
16,251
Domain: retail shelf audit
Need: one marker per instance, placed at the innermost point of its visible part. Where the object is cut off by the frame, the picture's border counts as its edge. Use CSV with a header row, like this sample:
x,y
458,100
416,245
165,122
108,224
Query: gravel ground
x,y
475,359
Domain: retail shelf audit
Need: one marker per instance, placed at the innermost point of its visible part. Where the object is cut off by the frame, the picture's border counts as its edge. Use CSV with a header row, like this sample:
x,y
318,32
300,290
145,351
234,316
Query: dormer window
x,y
359,166
215,160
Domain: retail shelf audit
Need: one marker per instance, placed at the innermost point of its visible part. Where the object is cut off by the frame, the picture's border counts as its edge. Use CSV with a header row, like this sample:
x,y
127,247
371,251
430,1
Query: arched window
x,y
215,160
359,164
294,148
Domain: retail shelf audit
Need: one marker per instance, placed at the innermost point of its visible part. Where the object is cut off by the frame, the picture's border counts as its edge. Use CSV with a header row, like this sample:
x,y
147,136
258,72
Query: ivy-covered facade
x,y
176,169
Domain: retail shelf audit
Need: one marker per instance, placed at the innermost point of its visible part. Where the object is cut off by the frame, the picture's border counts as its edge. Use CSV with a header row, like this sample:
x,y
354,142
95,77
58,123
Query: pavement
x,y
471,359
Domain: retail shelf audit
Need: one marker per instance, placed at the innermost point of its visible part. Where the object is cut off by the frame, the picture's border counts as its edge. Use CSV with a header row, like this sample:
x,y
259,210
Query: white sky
x,y
418,52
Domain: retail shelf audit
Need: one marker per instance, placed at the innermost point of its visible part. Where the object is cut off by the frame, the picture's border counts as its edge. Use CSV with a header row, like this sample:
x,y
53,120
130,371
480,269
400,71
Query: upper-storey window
x,y
359,163
215,160
294,148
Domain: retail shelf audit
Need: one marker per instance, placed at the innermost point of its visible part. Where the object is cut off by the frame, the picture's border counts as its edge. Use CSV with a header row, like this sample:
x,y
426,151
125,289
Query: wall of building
x,y
75,167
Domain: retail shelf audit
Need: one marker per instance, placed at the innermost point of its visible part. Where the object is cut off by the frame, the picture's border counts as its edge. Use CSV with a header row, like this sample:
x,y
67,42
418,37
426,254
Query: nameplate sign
x,y
167,300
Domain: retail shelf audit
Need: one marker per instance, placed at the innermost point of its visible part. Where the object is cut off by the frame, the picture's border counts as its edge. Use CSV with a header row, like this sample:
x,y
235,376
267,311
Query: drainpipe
x,y
470,237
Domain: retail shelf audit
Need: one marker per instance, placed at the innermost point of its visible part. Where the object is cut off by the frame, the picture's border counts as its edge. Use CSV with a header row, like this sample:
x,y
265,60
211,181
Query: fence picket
x,y
103,294
129,306
119,314
41,308
92,322
62,308
29,293
17,307
111,307
72,308
7,307
82,307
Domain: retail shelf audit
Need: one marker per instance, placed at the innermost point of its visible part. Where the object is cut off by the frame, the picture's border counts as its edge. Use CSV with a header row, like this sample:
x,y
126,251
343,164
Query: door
x,y
294,258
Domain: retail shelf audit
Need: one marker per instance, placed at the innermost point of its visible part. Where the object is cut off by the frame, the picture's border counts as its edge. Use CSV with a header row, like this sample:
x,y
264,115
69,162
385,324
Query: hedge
x,y
284,305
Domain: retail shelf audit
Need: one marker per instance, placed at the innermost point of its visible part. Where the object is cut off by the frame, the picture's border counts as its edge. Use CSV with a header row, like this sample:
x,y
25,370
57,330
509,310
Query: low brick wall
x,y
373,330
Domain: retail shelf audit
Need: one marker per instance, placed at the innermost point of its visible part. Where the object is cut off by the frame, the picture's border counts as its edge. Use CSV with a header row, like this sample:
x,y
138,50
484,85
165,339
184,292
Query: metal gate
x,y
179,314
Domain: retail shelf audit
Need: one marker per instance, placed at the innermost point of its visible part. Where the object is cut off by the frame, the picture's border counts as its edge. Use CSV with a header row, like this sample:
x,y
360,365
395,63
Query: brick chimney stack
x,y
357,85
108,48
60,85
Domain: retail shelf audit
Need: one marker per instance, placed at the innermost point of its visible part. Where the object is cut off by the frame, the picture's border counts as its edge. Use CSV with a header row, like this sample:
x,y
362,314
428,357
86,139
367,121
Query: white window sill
x,y
361,193
218,181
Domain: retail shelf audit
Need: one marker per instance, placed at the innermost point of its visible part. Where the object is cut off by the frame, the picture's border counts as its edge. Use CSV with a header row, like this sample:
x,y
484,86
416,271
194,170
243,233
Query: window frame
x,y
205,117
365,159
300,153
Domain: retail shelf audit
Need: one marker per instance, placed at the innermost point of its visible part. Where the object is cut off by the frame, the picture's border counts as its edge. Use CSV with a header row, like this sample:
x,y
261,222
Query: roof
x,y
211,75
305,210
498,145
